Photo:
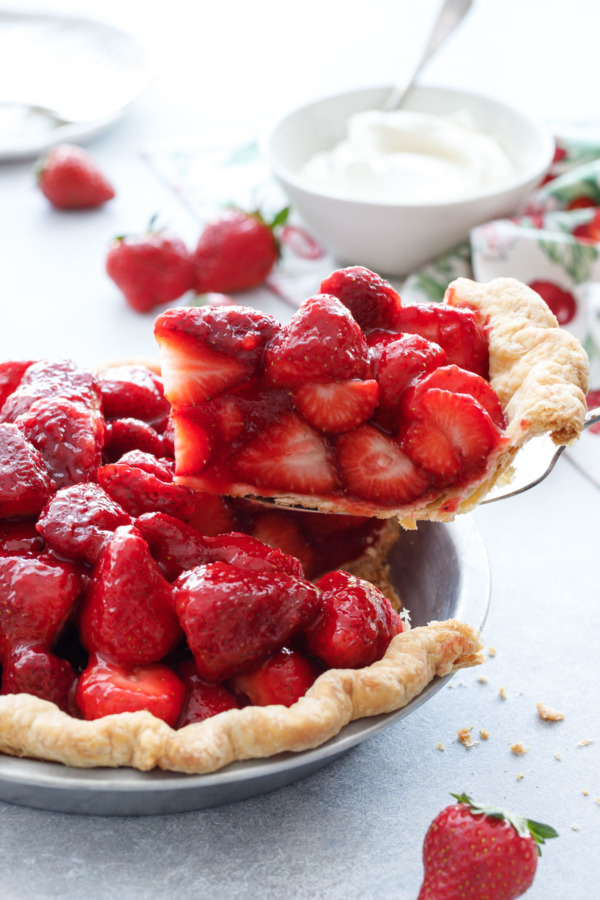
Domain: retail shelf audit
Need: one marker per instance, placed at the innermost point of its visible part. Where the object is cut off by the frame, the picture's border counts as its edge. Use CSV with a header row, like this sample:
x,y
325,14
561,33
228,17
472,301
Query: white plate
x,y
441,572
62,79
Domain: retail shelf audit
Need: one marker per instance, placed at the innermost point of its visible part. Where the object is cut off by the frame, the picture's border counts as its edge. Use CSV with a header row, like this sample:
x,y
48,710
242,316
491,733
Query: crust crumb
x,y
585,742
502,693
491,651
520,775
585,792
548,714
439,746
519,749
483,679
464,736
597,800
558,756
484,734
575,827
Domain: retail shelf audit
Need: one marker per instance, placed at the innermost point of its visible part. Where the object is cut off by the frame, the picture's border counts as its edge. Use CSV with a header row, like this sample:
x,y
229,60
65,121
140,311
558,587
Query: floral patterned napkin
x,y
552,245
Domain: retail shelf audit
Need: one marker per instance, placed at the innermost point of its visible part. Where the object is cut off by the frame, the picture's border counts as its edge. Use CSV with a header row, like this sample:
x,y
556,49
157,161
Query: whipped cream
x,y
410,157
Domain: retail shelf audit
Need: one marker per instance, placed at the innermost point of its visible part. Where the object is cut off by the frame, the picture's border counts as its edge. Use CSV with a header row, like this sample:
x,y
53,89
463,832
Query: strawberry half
x,y
280,679
127,614
457,331
354,625
321,343
287,455
106,688
451,435
68,436
11,373
202,699
281,532
79,520
51,379
372,301
25,485
233,618
374,468
453,378
339,406
139,491
134,392
398,363
207,351
36,671
38,595
173,544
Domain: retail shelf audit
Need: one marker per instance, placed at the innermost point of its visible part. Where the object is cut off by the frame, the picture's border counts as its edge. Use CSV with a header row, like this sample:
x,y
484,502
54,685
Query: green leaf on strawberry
x,y
524,827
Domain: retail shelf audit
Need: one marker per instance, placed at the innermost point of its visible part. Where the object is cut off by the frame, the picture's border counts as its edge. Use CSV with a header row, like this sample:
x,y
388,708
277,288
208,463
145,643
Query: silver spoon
x,y
451,13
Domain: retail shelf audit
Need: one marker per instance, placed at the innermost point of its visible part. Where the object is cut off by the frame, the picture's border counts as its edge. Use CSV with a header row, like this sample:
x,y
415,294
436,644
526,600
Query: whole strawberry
x,y
477,852
150,269
70,179
236,252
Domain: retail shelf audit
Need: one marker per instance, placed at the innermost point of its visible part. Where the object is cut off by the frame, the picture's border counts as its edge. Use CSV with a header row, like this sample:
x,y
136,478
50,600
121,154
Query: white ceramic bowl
x,y
394,238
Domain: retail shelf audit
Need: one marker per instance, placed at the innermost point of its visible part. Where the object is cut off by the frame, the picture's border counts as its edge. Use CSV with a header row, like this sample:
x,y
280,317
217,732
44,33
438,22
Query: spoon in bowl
x,y
452,12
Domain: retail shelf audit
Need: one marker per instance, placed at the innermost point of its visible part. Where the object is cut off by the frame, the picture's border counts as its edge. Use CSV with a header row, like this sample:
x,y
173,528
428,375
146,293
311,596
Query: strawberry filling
x,y
123,591
358,402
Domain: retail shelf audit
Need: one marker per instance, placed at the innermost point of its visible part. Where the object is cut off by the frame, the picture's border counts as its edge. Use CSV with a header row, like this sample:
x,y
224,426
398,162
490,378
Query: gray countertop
x,y
353,830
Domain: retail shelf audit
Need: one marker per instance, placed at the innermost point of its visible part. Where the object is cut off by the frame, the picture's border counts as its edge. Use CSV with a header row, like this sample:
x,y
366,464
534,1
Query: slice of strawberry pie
x,y
364,406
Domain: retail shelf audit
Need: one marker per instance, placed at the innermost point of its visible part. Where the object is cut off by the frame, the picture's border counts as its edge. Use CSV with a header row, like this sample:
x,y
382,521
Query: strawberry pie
x,y
153,614
145,624
361,405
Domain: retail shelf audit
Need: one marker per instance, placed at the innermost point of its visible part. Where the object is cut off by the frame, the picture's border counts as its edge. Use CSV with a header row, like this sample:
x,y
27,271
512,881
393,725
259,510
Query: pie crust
x,y
36,728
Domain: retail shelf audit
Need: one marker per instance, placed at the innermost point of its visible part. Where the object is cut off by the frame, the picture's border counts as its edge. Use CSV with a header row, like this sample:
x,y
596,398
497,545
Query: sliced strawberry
x,y
233,618
402,360
452,436
212,514
11,373
453,378
20,539
281,679
68,435
24,481
339,406
321,343
193,443
52,378
138,491
374,468
106,688
78,521
288,455
173,544
209,350
38,595
134,392
36,671
127,614
458,331
280,531
123,435
249,553
355,623
372,301
202,699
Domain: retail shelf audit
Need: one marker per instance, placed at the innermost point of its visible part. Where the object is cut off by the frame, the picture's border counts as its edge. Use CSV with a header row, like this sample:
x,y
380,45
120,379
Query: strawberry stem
x,y
524,827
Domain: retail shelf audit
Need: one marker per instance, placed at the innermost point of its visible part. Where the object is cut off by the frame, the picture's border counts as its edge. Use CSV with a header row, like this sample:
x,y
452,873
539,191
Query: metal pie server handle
x,y
534,462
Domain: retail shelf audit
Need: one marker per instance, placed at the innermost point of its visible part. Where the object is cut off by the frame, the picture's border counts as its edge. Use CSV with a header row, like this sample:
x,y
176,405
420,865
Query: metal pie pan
x,y
441,572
